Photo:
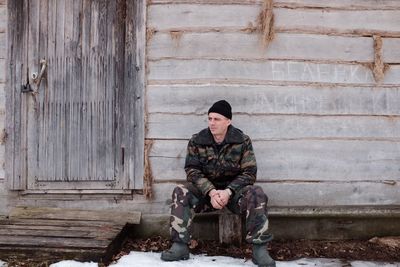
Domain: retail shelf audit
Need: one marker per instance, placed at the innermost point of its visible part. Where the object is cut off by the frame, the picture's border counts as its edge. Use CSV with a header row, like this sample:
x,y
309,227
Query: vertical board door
x,y
79,123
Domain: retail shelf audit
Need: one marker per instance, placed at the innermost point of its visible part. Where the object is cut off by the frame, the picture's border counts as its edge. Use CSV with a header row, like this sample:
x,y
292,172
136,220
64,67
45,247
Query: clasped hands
x,y
219,198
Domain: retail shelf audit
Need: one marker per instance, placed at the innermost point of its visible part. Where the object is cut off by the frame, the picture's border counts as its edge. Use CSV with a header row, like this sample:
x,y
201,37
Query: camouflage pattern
x,y
233,166
250,202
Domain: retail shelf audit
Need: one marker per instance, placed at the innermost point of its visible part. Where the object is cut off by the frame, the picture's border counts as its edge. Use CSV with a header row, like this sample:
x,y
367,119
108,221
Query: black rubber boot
x,y
261,256
177,252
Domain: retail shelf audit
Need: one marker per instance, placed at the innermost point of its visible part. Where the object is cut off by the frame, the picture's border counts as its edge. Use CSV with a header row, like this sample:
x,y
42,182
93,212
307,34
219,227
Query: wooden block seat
x,y
229,226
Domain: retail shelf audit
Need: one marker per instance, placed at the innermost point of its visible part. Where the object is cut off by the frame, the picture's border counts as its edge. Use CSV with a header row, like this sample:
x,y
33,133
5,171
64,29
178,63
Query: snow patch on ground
x,y
74,264
153,259
374,264
140,259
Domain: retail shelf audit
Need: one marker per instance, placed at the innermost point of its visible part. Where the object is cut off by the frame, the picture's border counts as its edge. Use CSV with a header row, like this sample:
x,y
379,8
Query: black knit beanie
x,y
221,107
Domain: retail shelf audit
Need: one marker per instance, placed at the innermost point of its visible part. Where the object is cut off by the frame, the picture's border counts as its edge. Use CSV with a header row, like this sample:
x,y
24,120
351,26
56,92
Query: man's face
x,y
217,123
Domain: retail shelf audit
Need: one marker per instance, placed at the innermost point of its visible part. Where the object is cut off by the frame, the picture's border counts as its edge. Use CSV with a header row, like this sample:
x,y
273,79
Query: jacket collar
x,y
233,136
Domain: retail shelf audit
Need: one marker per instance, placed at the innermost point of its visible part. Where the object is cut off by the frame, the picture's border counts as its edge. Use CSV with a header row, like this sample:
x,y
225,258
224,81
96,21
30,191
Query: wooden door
x,y
81,125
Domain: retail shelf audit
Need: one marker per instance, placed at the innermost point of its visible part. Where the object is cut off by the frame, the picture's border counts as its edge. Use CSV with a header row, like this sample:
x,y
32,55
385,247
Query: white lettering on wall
x,y
319,72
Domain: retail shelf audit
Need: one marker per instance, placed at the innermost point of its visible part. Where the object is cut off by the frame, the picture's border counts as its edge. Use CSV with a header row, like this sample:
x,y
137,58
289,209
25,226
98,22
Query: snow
x,y
2,264
153,259
74,264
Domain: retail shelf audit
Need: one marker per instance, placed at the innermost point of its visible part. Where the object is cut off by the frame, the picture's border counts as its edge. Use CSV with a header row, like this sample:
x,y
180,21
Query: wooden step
x,y
95,235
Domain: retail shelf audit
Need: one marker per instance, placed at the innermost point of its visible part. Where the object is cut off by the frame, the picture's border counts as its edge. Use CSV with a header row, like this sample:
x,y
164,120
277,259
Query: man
x,y
221,170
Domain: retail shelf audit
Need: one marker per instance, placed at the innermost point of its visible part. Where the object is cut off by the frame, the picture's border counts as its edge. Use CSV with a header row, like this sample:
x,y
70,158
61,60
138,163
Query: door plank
x,y
24,98
14,62
42,97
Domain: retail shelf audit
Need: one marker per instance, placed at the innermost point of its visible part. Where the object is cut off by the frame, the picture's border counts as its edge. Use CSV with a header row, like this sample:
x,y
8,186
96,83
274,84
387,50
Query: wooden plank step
x,y
53,242
36,256
9,227
74,214
60,223
45,233
97,234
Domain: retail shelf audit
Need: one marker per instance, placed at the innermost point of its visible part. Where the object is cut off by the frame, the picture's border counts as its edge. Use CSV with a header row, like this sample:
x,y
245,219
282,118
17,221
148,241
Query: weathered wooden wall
x,y
3,53
325,132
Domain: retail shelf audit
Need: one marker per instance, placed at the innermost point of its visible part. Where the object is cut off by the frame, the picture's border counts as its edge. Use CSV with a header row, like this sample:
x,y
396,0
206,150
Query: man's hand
x,y
216,200
219,198
224,195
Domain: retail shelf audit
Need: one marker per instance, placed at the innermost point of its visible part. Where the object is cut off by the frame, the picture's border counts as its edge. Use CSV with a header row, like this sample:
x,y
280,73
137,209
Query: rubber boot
x,y
261,256
177,252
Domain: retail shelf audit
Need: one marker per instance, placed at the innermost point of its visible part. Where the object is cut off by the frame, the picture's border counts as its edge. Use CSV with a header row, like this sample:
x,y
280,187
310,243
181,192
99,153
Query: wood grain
x,y
240,45
390,49
83,113
297,160
282,127
275,99
3,17
200,16
262,71
298,195
339,4
74,214
3,70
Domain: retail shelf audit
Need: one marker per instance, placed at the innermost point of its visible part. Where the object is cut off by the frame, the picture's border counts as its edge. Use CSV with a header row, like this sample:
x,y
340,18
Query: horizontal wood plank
x,y
50,233
342,4
2,103
228,70
199,16
301,160
2,70
326,194
10,225
207,71
64,229
169,17
3,45
242,45
392,75
71,214
59,223
390,50
2,160
83,243
268,127
3,18
2,172
244,2
4,199
274,99
338,20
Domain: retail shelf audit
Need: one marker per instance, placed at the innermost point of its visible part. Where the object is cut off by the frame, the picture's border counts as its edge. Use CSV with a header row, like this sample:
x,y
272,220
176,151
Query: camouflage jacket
x,y
234,166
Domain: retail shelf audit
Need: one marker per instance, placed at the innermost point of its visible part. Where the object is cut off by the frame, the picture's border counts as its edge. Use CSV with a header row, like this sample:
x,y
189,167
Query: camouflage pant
x,y
250,202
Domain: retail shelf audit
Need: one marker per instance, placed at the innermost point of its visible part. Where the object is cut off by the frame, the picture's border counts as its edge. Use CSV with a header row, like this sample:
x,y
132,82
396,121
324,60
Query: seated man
x,y
221,170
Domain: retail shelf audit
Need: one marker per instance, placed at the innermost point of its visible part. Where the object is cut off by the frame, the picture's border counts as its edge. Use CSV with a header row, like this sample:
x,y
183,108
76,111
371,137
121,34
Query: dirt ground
x,y
279,250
